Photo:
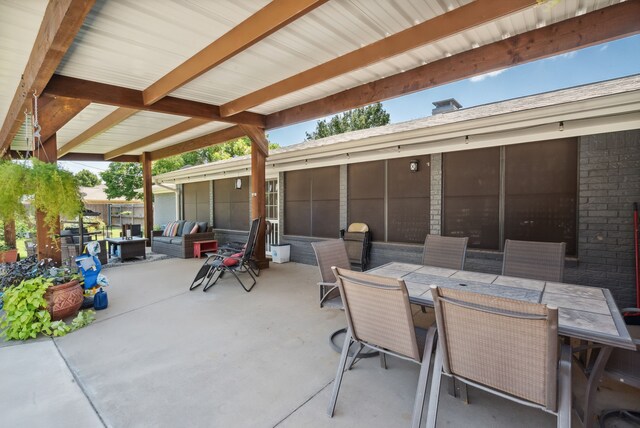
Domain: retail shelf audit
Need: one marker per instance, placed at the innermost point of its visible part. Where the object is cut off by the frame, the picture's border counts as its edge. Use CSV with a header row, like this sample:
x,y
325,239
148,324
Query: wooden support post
x,y
47,247
259,152
10,233
148,195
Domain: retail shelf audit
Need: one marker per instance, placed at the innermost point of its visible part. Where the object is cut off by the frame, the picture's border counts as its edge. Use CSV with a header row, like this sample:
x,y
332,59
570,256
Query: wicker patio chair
x,y
444,251
379,317
503,346
534,260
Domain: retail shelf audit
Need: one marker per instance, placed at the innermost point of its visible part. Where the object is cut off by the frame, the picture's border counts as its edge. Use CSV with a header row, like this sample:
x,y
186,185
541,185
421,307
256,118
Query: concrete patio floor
x,y
163,356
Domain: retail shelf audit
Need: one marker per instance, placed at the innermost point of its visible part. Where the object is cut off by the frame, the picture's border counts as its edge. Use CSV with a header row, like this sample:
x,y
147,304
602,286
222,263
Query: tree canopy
x,y
122,179
87,178
352,120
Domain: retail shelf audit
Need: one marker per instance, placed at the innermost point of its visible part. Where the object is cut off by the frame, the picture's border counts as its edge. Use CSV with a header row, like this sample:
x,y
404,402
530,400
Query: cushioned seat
x,y
177,239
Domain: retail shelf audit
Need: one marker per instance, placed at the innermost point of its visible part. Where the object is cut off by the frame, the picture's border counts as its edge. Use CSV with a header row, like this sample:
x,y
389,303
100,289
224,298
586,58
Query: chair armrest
x,y
630,311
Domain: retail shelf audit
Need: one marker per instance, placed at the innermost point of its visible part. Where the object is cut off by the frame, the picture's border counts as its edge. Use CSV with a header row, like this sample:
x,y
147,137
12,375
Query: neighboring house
x,y
558,166
112,211
166,206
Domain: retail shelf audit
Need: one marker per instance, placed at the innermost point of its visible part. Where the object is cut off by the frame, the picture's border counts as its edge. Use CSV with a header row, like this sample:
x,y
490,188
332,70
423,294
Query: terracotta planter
x,y
9,256
64,300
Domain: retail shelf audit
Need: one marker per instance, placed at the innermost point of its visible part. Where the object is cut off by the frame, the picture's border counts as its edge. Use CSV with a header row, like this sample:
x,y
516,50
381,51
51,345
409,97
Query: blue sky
x,y
602,62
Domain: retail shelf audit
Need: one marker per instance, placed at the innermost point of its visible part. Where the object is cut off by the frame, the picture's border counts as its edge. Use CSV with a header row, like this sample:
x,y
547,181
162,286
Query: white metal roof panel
x,y
19,24
88,117
132,129
187,135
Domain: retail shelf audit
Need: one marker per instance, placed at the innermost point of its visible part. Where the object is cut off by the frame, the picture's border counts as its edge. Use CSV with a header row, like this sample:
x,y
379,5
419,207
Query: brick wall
x,y
435,215
609,180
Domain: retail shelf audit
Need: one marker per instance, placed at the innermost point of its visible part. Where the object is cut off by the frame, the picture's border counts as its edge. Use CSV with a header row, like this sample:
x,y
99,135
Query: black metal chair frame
x,y
213,268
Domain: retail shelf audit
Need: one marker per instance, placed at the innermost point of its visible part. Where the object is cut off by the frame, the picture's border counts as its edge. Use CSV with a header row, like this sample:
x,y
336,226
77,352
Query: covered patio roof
x,y
117,79
141,81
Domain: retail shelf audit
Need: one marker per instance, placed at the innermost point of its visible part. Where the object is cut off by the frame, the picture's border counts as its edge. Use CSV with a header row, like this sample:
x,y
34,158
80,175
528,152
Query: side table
x,y
201,247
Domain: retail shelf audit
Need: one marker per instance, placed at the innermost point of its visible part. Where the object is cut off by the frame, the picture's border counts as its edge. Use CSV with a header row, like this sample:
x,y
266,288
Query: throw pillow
x,y
195,229
186,228
167,229
232,261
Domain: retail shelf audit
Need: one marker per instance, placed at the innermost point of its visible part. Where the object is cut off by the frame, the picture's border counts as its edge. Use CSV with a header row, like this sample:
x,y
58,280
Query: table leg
x,y
593,380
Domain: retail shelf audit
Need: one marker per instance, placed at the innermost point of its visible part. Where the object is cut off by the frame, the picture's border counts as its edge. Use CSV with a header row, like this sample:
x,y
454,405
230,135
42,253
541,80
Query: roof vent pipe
x,y
445,106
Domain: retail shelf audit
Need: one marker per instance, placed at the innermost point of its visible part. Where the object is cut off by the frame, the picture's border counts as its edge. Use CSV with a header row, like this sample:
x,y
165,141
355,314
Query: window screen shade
x,y
471,192
540,192
312,202
197,205
231,205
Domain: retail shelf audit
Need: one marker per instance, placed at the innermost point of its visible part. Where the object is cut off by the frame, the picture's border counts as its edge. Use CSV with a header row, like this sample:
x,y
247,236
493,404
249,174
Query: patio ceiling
x,y
119,78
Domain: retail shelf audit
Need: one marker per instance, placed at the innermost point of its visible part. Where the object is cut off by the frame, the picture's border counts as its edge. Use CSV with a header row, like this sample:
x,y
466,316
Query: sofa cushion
x,y
202,226
194,229
180,226
186,227
163,239
177,240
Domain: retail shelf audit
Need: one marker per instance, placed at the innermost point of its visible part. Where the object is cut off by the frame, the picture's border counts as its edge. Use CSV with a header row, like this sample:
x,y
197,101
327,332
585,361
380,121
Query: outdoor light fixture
x,y
561,126
413,166
238,183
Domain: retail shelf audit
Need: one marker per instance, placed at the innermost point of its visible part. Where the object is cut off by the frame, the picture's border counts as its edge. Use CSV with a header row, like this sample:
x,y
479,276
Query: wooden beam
x,y
46,246
258,198
258,26
450,23
97,157
145,159
610,23
105,124
54,113
130,98
198,143
160,135
258,138
60,24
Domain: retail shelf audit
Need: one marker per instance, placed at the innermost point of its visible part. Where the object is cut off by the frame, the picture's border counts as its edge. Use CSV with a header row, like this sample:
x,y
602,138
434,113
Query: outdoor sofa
x,y
181,244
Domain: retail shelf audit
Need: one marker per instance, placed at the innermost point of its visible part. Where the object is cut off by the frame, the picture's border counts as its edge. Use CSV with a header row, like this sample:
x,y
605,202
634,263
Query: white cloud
x,y
569,55
481,77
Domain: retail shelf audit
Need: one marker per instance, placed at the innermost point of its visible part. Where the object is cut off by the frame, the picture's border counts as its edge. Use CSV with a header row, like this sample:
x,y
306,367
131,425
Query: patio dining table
x,y
586,313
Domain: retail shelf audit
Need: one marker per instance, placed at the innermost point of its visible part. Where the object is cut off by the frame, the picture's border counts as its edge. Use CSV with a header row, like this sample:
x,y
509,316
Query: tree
x,y
167,165
352,120
87,178
231,149
121,179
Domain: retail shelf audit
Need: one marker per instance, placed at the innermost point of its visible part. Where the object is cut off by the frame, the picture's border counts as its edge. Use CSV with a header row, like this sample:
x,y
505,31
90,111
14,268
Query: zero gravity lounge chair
x,y
217,264
357,240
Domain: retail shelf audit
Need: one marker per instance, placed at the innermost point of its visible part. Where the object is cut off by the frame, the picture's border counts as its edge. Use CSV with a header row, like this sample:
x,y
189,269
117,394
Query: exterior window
x,y
197,206
366,196
540,192
391,199
470,196
231,205
312,206
271,199
408,200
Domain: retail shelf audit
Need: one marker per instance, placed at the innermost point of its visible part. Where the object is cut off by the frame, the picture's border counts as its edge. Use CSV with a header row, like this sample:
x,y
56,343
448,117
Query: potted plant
x,y
63,292
37,296
8,254
51,189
